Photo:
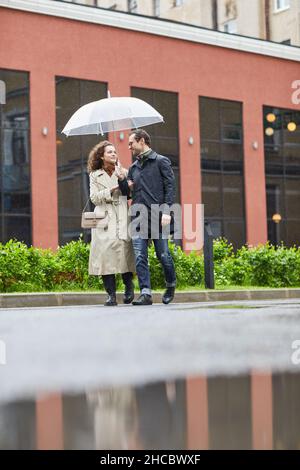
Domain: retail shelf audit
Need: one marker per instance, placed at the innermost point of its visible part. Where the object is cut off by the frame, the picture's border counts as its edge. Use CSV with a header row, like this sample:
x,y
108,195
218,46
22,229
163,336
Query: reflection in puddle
x,y
255,411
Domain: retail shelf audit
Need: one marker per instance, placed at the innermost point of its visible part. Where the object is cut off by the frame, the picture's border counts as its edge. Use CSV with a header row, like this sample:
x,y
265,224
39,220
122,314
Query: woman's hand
x,y
119,171
114,188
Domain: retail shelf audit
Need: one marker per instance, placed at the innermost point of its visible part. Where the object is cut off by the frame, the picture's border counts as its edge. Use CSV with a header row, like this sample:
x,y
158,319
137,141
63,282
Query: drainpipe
x,y
214,11
267,19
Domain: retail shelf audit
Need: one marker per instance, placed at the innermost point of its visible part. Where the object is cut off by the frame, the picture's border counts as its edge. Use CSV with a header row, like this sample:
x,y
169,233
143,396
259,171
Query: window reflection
x,y
164,137
222,168
282,167
72,154
15,185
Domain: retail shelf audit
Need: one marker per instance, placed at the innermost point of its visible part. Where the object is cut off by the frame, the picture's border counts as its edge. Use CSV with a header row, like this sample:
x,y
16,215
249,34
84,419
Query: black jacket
x,y
154,181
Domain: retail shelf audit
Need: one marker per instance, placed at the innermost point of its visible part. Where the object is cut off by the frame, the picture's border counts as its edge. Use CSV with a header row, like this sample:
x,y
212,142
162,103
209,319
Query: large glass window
x,y
72,154
15,181
222,168
164,137
282,167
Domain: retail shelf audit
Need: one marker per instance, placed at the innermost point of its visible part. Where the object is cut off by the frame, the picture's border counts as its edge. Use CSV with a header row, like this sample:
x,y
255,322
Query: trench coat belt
x,y
115,203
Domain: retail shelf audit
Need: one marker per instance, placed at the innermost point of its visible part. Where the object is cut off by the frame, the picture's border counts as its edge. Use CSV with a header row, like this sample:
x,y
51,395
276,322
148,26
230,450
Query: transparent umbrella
x,y
111,114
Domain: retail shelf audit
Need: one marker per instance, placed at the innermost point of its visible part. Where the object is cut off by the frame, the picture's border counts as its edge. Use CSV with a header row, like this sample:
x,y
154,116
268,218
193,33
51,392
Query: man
x,y
151,182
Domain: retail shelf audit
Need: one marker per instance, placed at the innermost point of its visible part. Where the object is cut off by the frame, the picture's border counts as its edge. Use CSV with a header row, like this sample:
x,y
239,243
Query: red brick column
x,y
190,169
49,423
262,411
197,413
43,160
254,171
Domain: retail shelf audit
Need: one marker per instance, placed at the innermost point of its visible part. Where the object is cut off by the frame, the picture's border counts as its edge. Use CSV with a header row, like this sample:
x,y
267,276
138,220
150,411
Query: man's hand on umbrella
x,y
165,220
130,184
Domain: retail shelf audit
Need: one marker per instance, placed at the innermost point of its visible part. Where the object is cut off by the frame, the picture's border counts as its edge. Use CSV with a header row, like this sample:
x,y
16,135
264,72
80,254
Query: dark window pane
x,y
212,194
18,203
229,412
234,231
291,128
164,137
15,160
15,179
233,195
67,100
209,119
15,113
282,167
275,197
232,152
292,194
292,159
231,133
72,153
222,167
69,228
274,154
17,227
211,156
216,226
293,230
272,126
231,113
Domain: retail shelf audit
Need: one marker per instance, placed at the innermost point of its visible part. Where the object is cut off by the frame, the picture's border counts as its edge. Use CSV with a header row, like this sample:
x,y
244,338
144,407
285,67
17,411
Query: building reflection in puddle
x,y
255,411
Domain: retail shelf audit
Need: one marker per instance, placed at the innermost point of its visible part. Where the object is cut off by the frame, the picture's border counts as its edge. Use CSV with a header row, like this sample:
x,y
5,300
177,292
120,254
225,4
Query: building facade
x,y
274,20
231,109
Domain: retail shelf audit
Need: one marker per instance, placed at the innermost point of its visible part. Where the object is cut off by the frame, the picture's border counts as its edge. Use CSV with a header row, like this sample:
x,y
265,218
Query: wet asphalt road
x,y
77,348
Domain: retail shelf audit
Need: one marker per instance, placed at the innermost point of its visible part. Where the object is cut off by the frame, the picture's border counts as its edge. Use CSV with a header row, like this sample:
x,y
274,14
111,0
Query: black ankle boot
x,y
168,295
129,288
111,300
109,282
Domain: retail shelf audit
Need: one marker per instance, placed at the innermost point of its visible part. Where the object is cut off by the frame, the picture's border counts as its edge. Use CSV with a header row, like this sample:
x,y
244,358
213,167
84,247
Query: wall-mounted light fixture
x,y
255,145
191,140
45,130
122,136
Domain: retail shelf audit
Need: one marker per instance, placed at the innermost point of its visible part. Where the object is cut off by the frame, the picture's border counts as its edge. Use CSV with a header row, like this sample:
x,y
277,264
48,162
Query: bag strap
x,y
86,204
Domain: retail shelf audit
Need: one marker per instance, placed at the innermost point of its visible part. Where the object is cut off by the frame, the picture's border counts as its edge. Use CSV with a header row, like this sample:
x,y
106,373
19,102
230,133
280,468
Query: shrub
x,y
30,269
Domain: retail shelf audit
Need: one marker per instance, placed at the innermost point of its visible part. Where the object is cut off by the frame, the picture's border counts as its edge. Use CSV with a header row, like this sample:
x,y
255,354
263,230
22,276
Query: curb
x,y
58,299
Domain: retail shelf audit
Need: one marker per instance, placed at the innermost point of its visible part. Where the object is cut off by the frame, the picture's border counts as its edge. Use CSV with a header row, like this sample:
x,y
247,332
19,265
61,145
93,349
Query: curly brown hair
x,y
95,159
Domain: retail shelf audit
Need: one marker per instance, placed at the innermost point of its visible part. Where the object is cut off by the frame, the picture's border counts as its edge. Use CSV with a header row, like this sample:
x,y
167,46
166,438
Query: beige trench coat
x,y
111,249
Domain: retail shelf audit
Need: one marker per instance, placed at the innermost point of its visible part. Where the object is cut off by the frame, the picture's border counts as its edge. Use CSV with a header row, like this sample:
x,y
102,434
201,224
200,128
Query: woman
x,y
111,248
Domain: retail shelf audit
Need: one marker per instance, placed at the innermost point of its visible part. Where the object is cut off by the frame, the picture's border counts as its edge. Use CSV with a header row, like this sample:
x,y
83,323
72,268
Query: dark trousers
x,y
109,281
140,247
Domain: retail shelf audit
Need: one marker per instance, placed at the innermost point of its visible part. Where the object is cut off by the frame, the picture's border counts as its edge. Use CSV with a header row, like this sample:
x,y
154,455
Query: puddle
x,y
222,307
255,411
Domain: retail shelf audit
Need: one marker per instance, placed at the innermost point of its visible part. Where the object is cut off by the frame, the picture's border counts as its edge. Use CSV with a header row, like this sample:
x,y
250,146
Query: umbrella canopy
x,y
111,114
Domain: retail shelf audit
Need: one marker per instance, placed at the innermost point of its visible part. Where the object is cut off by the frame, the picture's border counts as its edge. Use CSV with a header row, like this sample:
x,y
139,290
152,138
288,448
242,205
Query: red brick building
x,y
231,107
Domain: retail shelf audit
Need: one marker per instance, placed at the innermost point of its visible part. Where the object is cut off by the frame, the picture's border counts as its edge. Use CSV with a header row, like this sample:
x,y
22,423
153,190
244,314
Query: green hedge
x,y
29,269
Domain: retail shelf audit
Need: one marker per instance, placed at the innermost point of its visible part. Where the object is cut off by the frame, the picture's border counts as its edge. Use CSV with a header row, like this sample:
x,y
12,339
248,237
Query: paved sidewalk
x,y
78,348
57,299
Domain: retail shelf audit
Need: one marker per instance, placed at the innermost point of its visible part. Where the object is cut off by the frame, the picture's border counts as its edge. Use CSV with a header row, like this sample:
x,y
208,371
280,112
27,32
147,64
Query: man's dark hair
x,y
141,134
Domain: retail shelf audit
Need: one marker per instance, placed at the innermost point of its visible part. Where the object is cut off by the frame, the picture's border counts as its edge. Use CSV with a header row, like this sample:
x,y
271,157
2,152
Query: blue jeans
x,y
140,247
